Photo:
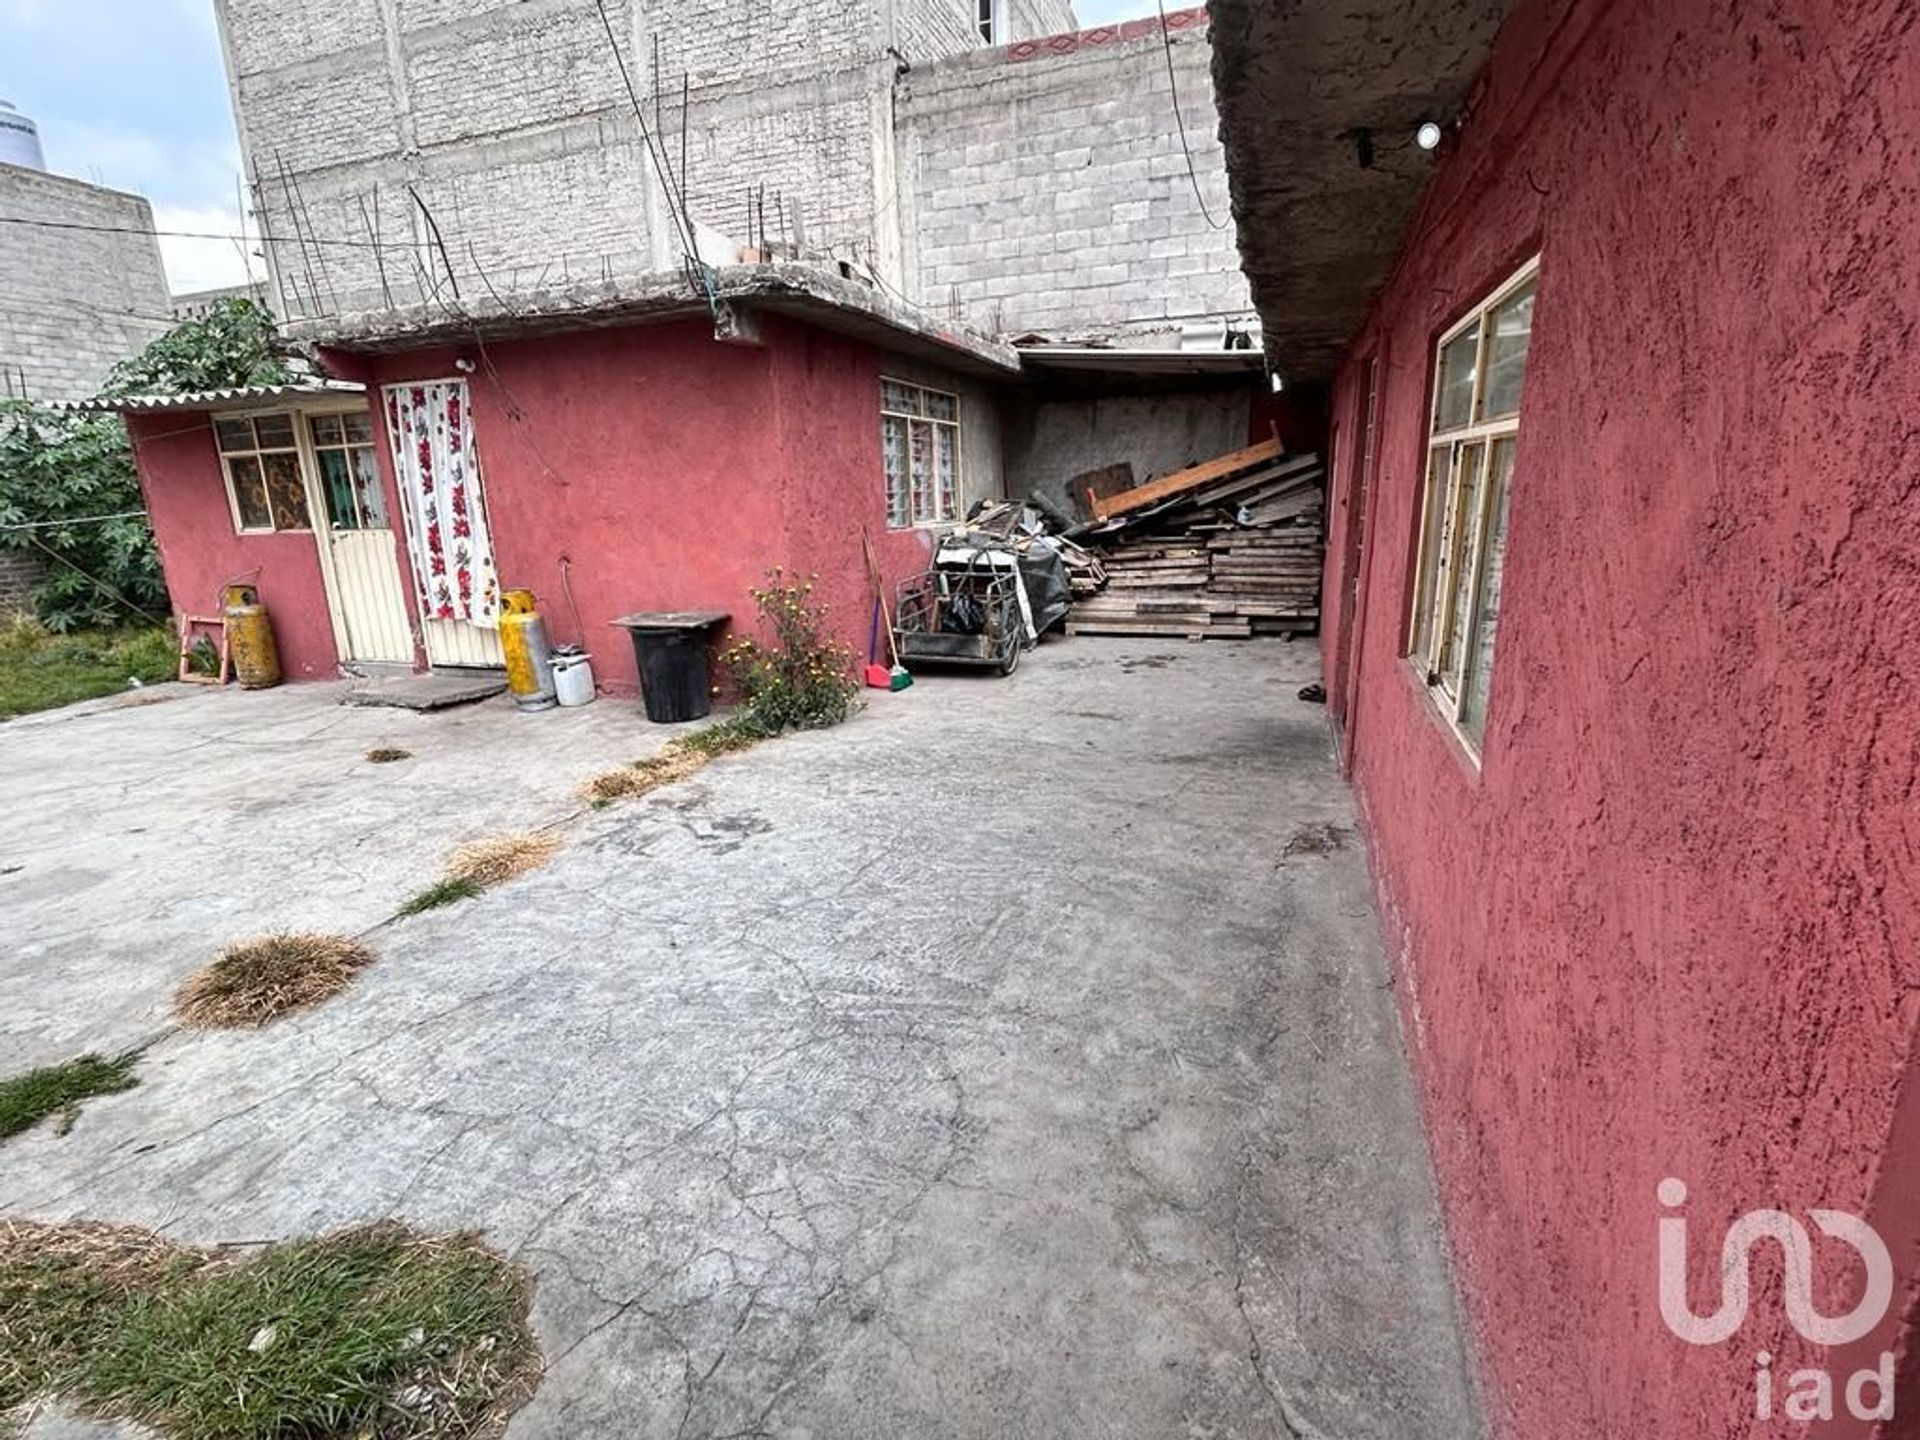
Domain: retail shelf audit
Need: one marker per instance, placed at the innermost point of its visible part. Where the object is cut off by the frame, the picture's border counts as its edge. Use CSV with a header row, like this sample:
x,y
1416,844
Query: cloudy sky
x,y
132,94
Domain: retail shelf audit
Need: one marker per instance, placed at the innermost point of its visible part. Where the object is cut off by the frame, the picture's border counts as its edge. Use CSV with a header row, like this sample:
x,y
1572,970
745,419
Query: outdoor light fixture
x,y
1278,381
463,365
1429,135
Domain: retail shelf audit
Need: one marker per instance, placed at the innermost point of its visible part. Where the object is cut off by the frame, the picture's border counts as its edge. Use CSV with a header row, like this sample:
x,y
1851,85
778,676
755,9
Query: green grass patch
x,y
28,1099
443,892
723,737
40,670
374,1331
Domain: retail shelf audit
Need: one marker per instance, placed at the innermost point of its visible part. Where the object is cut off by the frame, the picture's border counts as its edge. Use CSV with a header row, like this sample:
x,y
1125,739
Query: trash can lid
x,y
673,619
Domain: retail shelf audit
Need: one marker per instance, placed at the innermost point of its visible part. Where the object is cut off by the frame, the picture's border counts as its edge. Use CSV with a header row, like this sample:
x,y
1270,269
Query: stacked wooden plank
x,y
1226,549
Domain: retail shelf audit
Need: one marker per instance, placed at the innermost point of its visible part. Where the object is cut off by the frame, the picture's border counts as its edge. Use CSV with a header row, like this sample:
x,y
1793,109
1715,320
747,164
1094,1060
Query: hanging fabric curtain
x,y
439,474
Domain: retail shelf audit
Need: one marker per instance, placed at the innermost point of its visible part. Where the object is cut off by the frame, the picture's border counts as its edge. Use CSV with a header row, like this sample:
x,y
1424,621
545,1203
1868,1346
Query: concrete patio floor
x,y
1018,1060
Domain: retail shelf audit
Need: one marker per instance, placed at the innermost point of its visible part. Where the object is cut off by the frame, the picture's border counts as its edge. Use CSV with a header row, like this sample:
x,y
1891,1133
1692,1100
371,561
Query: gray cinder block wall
x,y
72,302
512,123
1049,188
1035,185
19,573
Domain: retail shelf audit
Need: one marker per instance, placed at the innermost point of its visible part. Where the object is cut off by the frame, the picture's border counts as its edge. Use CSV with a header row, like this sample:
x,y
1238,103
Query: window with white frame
x,y
349,478
1480,367
920,448
261,457
987,20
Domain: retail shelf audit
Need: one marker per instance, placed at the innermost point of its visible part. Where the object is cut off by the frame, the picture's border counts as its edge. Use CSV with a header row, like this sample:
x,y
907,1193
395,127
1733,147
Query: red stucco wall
x,y
672,471
187,503
1673,927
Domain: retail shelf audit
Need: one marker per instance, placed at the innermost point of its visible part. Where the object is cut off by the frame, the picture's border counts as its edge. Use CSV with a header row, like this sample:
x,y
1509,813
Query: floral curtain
x,y
439,473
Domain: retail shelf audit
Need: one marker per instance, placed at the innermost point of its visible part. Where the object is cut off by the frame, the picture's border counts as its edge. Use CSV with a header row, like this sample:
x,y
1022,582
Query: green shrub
x,y
796,679
59,473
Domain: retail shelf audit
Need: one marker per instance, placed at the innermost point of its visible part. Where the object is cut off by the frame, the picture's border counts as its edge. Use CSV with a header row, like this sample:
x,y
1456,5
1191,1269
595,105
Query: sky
x,y
133,94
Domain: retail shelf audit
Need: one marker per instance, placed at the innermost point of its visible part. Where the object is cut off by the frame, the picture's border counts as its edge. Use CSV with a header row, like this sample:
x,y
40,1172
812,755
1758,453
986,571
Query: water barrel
x,y
19,140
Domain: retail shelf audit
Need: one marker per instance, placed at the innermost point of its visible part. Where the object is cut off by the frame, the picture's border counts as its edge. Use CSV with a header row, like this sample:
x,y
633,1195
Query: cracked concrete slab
x,y
1018,1059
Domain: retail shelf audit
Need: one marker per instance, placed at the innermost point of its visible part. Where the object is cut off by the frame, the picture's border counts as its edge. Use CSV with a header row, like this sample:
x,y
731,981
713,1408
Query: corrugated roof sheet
x,y
215,399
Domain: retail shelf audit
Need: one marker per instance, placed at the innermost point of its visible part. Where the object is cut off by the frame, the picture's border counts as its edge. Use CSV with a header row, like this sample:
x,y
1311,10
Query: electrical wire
x,y
1173,87
196,234
76,520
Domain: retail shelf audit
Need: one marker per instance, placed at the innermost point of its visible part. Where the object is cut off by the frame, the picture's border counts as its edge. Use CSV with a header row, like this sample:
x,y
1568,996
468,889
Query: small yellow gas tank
x,y
523,640
256,659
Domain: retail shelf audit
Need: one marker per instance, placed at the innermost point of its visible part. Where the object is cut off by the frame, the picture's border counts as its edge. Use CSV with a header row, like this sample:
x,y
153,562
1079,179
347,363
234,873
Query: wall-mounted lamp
x,y
1429,135
463,365
1277,381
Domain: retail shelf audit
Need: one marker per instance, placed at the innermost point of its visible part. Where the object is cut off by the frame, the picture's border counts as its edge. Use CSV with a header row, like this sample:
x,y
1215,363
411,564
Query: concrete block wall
x,y
1049,191
511,121
19,573
72,302
1052,441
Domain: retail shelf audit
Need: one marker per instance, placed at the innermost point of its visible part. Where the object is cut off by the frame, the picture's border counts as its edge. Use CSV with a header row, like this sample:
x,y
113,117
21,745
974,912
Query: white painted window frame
x,y
298,449
1434,605
311,447
986,21
916,521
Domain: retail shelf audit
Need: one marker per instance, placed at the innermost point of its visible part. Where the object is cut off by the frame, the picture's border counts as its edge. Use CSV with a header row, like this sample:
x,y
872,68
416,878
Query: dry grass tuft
x,y
643,776
386,755
487,863
259,980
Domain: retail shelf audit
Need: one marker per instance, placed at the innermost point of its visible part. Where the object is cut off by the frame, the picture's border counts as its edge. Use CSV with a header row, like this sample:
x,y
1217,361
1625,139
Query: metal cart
x,y
961,617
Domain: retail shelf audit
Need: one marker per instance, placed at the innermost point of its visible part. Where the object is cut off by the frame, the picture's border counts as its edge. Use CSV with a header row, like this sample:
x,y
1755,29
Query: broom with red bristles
x,y
878,676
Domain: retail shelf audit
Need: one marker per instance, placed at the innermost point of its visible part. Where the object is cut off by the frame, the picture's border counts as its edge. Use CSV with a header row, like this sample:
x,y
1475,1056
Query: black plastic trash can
x,y
676,673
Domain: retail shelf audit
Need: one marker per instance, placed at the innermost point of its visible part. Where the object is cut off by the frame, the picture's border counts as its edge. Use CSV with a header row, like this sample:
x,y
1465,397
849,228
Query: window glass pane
x,y
234,434
1461,547
359,428
326,429
941,407
1427,591
1486,609
945,437
893,450
249,493
369,498
275,431
336,482
903,398
1457,359
920,452
1507,355
284,490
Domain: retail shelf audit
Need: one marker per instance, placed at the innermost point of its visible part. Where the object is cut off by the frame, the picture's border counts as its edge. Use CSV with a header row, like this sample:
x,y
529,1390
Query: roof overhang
x,y
1121,360
820,296
1295,83
237,397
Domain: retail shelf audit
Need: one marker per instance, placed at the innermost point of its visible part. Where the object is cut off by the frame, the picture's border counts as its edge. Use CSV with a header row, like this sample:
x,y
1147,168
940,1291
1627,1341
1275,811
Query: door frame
x,y
322,530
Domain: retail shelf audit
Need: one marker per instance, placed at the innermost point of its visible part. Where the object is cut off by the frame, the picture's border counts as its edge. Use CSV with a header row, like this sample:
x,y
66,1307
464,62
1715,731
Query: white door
x,y
361,566
460,642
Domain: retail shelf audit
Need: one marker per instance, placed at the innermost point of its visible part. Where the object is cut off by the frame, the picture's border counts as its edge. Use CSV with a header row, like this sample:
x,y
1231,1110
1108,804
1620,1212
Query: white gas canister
x,y
572,678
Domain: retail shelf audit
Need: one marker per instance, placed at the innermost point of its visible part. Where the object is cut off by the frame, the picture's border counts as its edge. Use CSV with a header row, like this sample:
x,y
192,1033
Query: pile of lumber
x,y
1225,549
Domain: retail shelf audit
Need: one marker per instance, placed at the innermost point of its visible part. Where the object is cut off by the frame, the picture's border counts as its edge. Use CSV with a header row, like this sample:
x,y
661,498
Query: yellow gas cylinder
x,y
256,659
523,638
